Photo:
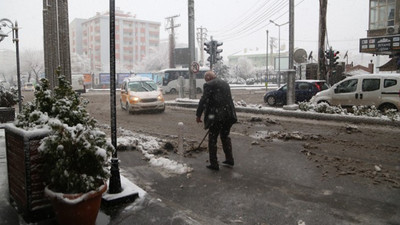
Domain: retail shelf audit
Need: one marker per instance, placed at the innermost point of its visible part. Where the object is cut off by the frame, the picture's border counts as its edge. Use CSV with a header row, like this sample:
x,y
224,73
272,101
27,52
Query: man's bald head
x,y
209,75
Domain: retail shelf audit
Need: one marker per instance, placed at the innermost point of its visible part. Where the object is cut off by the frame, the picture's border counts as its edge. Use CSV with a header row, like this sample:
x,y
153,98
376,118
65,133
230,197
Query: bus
x,y
77,83
170,79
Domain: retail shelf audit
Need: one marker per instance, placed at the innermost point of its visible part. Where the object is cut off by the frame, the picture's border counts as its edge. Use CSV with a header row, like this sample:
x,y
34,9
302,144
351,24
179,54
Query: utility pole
x,y
272,45
171,26
56,40
192,76
291,76
201,38
321,39
266,66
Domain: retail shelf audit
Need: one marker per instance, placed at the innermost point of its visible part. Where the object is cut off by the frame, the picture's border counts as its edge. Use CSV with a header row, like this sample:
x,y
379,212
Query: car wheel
x,y
387,106
173,91
271,100
127,107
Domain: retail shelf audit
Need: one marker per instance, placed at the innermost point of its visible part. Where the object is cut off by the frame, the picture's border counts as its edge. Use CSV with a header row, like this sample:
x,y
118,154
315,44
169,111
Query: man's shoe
x,y
228,163
212,167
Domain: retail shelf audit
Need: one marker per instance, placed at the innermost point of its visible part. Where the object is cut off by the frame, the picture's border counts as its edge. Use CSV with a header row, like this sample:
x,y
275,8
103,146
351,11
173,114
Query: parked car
x,y
250,81
380,90
141,94
304,91
28,87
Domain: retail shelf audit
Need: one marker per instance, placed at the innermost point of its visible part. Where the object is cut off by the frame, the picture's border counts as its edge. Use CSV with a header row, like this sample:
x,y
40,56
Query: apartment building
x,y
134,40
383,34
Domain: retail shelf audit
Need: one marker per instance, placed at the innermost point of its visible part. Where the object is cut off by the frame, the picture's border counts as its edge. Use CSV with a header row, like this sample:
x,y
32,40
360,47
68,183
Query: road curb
x,y
301,114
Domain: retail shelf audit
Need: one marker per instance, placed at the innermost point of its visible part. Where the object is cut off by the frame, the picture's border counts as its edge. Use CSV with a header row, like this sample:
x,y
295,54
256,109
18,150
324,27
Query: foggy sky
x,y
347,21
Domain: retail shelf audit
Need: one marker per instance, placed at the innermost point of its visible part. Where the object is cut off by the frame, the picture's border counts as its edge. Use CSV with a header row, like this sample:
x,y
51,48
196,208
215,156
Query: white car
x,y
141,94
380,90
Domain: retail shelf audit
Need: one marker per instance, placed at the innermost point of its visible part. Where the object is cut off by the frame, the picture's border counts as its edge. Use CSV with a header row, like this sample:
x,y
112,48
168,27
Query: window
x,y
389,82
303,86
381,14
347,86
371,84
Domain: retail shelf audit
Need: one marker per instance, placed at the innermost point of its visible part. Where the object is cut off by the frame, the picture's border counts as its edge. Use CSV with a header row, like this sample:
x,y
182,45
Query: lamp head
x,y
2,35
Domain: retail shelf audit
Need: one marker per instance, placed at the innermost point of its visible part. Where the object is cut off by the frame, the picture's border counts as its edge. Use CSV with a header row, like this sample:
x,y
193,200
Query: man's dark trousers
x,y
222,129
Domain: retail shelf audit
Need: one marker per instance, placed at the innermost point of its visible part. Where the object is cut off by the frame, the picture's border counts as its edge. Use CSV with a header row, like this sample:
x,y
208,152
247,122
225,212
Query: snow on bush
x,y
65,105
75,158
8,98
75,155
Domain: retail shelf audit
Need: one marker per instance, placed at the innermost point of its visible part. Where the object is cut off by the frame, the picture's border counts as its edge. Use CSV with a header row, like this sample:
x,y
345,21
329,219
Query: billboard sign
x,y
104,78
380,44
121,77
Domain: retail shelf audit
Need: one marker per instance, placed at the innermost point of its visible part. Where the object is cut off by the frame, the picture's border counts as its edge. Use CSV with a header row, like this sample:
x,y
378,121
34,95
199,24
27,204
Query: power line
x,y
255,23
234,24
258,23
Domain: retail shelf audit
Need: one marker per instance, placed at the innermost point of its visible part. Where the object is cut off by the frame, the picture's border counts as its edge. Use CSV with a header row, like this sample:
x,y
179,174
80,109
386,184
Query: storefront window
x,y
382,14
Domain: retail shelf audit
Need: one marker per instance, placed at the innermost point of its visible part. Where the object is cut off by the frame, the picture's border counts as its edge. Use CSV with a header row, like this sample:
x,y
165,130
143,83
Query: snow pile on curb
x,y
363,111
321,108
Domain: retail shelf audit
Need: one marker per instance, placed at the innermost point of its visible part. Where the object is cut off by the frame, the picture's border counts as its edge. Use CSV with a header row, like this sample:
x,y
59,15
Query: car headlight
x,y
160,98
134,99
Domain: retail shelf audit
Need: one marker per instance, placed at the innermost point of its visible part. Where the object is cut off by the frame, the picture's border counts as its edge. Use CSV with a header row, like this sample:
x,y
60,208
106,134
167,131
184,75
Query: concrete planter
x,y
7,114
79,208
25,182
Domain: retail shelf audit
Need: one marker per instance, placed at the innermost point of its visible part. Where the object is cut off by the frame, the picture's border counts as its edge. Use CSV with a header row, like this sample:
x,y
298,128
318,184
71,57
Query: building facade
x,y
134,40
258,58
383,35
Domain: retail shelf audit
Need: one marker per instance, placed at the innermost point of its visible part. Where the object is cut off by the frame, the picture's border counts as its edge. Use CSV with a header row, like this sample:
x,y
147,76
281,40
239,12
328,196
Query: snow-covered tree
x,y
80,63
158,60
221,70
243,69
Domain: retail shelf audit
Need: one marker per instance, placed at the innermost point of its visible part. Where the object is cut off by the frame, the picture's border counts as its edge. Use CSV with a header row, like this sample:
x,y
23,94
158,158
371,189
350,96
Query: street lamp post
x,y
14,29
266,66
279,49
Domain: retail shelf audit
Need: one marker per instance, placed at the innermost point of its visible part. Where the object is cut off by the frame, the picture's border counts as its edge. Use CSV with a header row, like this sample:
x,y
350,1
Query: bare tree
x,y
32,63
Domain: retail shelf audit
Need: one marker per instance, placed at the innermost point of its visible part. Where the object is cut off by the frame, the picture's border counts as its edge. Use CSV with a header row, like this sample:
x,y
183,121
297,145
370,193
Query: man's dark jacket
x,y
216,103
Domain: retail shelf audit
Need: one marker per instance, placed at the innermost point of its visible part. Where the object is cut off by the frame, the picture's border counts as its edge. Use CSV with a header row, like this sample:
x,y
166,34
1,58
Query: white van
x,y
381,90
77,83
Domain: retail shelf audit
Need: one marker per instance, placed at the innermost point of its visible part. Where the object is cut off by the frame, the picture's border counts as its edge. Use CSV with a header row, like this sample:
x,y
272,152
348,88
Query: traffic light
x,y
217,51
335,57
208,47
212,49
328,56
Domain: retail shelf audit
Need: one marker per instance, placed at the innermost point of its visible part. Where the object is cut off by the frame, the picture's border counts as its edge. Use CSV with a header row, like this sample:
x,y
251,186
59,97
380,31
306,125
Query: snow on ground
x,y
148,145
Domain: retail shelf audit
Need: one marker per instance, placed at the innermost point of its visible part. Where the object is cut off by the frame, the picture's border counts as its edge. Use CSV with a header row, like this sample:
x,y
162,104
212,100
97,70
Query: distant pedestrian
x,y
219,116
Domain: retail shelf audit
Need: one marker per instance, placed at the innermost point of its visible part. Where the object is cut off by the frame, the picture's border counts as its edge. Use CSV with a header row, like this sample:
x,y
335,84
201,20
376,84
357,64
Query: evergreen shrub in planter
x,y
7,100
73,152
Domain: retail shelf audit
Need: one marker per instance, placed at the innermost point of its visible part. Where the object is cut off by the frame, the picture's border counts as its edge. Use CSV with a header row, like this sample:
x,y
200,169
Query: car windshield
x,y
142,86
